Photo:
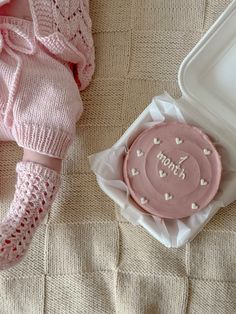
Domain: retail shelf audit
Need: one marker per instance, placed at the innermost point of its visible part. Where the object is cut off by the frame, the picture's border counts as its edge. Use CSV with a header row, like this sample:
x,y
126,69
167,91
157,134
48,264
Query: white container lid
x,y
207,79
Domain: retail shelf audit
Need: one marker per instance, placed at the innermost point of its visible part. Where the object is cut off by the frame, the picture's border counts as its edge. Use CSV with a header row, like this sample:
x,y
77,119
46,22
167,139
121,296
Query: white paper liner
x,y
107,165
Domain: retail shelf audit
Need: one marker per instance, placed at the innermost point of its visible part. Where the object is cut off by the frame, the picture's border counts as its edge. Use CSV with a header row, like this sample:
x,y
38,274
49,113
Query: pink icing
x,y
175,177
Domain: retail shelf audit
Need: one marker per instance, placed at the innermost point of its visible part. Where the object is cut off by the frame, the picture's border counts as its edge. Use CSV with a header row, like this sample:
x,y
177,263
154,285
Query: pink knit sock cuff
x,y
38,170
42,139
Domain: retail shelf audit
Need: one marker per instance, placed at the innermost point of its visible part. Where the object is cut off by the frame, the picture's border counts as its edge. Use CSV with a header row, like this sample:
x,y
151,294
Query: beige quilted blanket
x,y
86,258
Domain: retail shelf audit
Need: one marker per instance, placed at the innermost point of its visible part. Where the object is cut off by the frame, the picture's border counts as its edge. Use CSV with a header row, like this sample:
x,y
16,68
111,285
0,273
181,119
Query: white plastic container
x,y
207,78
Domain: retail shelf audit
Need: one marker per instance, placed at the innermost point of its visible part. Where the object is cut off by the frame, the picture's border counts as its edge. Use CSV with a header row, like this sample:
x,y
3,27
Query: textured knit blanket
x,y
86,258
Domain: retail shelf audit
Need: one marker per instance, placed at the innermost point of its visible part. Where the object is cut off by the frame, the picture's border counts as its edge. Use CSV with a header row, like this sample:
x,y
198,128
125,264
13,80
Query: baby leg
x,y
47,161
38,181
42,119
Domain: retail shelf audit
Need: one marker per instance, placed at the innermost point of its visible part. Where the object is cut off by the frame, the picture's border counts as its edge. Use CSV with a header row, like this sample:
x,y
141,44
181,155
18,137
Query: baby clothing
x,y
16,8
64,28
43,65
36,189
40,62
39,99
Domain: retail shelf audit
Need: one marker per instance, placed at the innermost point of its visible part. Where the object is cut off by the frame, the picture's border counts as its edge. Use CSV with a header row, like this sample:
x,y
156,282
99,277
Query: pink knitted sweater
x,y
64,28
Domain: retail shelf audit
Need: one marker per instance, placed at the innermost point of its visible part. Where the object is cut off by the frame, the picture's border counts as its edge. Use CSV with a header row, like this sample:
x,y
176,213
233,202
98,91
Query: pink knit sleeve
x,y
64,27
81,38
83,75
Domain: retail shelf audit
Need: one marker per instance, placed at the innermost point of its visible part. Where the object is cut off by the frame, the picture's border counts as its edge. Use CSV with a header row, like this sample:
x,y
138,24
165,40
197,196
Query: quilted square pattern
x,y
86,258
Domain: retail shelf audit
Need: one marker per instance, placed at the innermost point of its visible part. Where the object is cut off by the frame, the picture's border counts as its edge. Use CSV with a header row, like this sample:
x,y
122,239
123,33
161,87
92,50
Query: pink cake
x,y
172,170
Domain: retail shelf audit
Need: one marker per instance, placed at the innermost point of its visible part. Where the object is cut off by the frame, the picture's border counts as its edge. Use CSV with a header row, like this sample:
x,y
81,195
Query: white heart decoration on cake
x,y
143,200
140,153
206,151
168,197
156,141
195,206
162,173
178,141
134,172
203,182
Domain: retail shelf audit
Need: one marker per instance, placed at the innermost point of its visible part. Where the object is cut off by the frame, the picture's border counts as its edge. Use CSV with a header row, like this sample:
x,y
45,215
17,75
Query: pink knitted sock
x,y
35,191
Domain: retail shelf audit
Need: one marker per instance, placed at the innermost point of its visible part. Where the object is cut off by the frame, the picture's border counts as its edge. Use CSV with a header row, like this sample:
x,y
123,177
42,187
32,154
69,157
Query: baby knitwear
x,y
39,99
37,64
17,8
36,189
64,28
43,65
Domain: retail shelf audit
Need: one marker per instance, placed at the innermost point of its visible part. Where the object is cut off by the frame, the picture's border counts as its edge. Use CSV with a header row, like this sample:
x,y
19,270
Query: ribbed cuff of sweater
x,y
48,141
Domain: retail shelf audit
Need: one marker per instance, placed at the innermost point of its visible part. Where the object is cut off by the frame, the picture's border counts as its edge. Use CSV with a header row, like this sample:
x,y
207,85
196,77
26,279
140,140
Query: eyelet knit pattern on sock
x,y
36,189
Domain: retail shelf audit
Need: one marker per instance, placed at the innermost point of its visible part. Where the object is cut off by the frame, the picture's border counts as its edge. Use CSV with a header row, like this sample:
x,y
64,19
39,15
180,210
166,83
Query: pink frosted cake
x,y
172,170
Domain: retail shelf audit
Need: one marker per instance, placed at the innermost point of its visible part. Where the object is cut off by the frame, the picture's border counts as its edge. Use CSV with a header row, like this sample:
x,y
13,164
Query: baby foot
x,y
35,191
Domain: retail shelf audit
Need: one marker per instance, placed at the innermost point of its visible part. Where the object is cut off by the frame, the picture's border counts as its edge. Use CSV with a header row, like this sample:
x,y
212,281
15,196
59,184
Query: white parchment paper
x,y
107,165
